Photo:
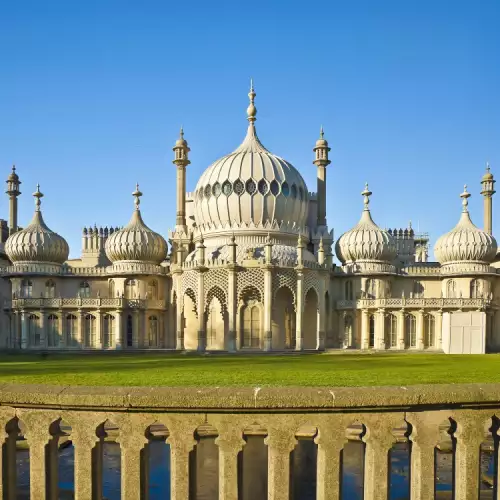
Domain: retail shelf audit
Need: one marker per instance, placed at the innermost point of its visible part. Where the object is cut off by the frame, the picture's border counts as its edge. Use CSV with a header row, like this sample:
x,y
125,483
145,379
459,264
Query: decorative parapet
x,y
416,303
453,268
78,302
367,267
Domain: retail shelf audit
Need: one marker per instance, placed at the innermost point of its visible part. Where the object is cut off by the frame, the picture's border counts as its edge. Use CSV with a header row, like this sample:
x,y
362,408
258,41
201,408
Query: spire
x,y
137,195
38,195
465,195
321,133
251,110
366,193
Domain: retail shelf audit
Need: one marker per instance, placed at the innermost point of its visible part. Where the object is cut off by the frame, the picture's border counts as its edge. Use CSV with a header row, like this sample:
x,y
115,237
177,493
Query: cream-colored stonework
x,y
249,266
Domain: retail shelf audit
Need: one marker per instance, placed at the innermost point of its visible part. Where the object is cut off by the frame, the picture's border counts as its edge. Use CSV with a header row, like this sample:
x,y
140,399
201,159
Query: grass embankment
x,y
329,369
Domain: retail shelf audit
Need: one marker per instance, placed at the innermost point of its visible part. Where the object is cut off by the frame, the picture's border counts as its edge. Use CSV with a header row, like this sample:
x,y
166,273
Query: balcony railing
x,y
80,302
230,419
400,303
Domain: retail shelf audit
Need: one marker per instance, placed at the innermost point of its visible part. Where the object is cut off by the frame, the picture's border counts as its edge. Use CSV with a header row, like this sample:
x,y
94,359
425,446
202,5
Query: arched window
x,y
153,290
371,288
475,289
451,289
50,289
348,290
130,289
71,330
111,289
34,330
429,330
90,330
391,330
411,330
251,326
108,331
53,330
348,340
153,331
84,290
371,326
27,288
418,290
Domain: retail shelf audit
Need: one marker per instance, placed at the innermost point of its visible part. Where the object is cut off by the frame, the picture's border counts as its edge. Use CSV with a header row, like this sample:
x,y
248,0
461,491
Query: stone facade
x,y
249,266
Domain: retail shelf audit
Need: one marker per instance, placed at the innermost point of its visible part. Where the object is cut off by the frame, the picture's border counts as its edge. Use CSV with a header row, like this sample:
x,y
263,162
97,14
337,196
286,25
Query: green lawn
x,y
329,369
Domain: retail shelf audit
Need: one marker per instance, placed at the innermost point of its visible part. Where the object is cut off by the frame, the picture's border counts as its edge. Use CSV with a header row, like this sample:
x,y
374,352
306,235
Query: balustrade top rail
x,y
114,303
402,302
251,399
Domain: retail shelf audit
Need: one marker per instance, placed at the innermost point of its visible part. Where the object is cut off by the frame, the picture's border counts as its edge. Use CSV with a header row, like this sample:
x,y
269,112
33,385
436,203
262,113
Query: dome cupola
x,y
250,188
366,242
465,243
136,242
37,243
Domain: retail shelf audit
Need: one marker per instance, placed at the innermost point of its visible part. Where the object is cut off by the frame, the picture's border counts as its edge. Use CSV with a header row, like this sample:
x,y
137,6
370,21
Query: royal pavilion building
x,y
250,266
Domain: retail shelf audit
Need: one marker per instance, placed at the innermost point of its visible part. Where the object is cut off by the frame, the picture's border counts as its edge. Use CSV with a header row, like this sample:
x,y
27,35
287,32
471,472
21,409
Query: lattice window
x,y
311,280
286,278
219,294
250,278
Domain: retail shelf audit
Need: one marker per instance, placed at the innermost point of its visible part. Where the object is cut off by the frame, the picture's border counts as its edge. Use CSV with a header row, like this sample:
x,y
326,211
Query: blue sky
x,y
92,95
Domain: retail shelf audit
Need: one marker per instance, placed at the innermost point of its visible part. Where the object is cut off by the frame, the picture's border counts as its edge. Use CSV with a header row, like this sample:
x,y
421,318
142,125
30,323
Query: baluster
x,y
230,443
84,439
181,443
132,440
8,459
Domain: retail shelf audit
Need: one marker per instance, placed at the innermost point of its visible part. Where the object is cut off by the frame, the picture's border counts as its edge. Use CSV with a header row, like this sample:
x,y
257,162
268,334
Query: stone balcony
x,y
416,303
328,419
79,303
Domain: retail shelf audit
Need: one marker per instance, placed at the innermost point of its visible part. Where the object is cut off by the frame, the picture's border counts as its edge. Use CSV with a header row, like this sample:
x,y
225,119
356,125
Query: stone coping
x,y
251,399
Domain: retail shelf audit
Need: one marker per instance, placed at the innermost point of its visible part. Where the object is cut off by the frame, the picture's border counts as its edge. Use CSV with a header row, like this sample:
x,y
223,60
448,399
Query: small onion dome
x,y
366,241
13,177
321,142
181,142
465,242
37,243
488,176
136,242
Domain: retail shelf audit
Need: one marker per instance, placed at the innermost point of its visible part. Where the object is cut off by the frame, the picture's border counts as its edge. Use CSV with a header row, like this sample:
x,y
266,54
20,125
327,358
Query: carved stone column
x,y
43,329
365,330
202,330
24,330
132,441
299,335
231,309
268,308
80,334
380,330
179,345
230,443
280,442
420,330
98,330
439,329
61,329
118,342
135,328
401,329
181,443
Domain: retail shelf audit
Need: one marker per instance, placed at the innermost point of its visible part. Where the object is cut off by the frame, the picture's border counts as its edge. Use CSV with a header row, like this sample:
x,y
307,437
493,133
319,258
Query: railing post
x,y
230,443
84,439
181,443
280,442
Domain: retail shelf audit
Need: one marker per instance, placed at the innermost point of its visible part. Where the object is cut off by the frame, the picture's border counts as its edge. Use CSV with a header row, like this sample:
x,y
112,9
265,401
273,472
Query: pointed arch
x,y
283,319
310,319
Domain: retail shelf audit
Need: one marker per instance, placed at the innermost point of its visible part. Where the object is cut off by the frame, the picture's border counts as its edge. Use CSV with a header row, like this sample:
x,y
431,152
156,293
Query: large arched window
x,y
476,291
348,290
130,289
429,330
50,289
348,340
90,330
111,289
108,330
371,327
153,331
52,330
71,330
411,330
153,290
27,288
84,290
34,330
391,330
451,289
251,326
418,290
371,288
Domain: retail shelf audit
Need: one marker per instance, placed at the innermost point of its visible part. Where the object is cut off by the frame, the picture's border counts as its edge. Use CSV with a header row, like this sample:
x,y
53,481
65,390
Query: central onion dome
x,y
136,242
366,241
250,187
465,242
37,243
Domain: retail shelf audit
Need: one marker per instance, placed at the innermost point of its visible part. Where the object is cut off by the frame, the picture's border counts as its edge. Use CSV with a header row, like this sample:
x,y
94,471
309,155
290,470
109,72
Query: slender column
x,y
420,330
43,329
280,444
380,330
230,444
231,310
439,329
80,332
342,340
181,196
469,434
61,329
135,329
98,330
131,444
299,336
320,336
24,330
354,334
84,441
180,446
38,472
401,329
268,307
53,467
144,342
202,334
15,337
118,330
365,333
179,324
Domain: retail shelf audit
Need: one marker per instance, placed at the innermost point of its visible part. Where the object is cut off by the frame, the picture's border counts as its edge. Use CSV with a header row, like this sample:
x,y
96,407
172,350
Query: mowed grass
x,y
327,369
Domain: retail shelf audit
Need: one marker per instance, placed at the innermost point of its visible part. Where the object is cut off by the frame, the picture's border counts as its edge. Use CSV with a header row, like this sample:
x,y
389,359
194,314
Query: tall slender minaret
x,y
13,184
181,160
488,191
321,161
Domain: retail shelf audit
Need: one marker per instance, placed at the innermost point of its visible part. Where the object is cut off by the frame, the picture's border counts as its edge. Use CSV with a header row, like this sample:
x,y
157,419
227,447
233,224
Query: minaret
x,y
13,184
321,161
181,160
488,191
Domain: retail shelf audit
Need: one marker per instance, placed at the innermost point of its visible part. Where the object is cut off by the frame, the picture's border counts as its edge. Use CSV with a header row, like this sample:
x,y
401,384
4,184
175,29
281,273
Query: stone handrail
x,y
280,413
83,302
416,303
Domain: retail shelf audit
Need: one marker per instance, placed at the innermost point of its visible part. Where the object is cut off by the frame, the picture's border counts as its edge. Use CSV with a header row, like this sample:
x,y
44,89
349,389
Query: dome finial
x,y
38,195
137,195
366,193
321,133
251,110
465,195
488,167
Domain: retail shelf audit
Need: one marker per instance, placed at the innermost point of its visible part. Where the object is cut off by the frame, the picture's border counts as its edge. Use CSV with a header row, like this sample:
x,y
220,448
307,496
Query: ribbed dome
x,y
136,242
250,186
365,241
465,242
37,243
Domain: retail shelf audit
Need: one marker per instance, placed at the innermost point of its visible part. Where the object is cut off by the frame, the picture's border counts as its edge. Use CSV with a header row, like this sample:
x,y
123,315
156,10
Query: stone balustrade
x,y
282,416
417,303
87,302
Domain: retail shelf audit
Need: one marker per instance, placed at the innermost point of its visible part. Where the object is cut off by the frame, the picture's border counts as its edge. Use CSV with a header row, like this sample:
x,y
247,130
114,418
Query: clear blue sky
x,y
92,95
